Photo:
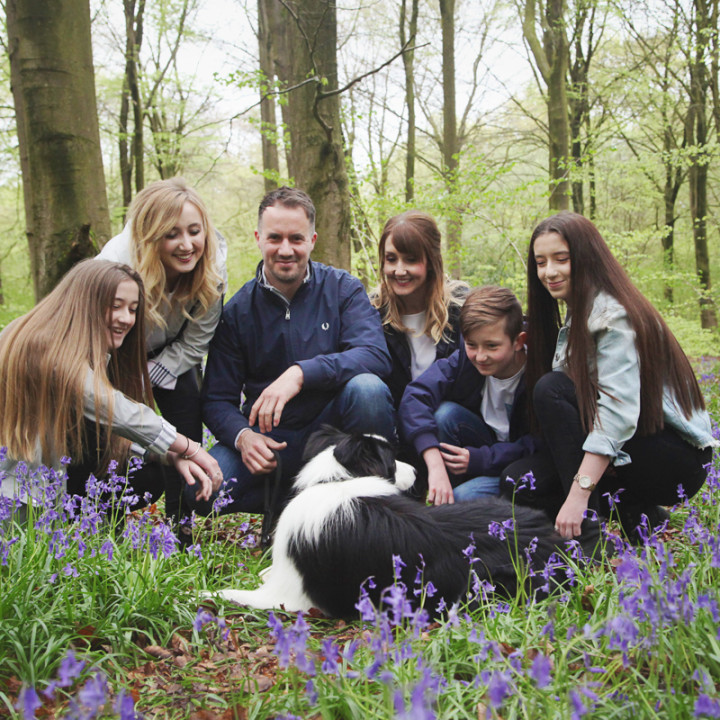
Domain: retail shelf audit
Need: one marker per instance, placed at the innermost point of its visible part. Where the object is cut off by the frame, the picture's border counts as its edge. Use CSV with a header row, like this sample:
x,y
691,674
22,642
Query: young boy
x,y
467,414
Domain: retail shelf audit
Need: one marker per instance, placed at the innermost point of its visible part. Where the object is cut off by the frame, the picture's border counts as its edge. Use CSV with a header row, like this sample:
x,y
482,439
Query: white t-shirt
x,y
422,347
497,402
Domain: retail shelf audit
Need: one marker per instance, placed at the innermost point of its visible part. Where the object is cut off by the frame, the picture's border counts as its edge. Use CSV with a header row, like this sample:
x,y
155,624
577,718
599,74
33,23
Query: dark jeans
x,y
147,482
181,407
364,405
660,463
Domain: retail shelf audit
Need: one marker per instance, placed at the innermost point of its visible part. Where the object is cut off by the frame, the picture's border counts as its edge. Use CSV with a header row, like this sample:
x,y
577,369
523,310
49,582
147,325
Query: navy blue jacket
x,y
456,379
329,329
400,354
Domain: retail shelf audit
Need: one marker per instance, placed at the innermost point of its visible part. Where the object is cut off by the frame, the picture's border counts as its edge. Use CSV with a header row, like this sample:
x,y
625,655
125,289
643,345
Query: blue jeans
x,y
483,486
363,405
464,428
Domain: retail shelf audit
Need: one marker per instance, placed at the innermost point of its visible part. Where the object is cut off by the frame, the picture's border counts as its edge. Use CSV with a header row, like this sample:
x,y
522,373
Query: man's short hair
x,y
488,304
288,197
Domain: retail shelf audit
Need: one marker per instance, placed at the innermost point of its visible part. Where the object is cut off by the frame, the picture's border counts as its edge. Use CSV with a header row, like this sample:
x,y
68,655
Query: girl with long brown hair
x,y
419,305
613,393
75,383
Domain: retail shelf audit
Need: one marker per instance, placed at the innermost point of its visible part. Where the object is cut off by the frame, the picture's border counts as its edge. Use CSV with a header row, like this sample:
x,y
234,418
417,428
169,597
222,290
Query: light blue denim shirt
x,y
618,372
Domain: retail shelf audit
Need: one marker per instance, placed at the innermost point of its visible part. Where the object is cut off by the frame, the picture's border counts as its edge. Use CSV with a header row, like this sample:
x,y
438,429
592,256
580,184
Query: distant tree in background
x,y
704,23
551,60
53,84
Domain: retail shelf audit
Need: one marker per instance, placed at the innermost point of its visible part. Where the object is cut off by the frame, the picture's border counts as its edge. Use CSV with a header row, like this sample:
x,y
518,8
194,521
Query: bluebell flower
x,y
706,707
69,670
496,530
540,670
498,687
28,702
330,653
204,617
94,693
310,692
125,707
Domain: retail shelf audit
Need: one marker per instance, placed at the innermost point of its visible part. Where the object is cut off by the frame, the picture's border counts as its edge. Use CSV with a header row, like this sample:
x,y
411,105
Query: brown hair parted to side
x,y
416,233
288,197
488,304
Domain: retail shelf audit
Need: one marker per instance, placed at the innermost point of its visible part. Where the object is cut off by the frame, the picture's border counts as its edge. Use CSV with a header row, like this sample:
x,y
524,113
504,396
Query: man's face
x,y
285,239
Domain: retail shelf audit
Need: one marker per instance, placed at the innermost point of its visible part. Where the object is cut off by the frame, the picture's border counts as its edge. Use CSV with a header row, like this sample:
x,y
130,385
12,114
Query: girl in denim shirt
x,y
613,394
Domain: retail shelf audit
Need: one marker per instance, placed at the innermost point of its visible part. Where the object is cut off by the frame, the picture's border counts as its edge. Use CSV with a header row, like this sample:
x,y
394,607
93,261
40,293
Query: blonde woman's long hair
x,y
154,213
416,233
45,356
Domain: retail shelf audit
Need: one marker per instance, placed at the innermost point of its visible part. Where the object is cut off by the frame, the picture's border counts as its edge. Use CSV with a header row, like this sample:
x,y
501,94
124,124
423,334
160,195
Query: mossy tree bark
x,y
308,48
53,84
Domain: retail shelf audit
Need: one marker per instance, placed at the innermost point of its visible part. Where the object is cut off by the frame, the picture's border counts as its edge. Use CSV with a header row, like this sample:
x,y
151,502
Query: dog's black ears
x,y
322,438
366,455
361,455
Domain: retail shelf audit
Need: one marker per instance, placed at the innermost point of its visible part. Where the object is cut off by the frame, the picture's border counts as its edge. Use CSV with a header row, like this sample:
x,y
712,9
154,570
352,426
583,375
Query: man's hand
x,y
456,458
257,452
268,408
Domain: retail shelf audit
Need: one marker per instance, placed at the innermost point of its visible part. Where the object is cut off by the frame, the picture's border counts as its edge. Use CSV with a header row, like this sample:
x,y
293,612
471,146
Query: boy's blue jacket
x,y
400,353
329,329
455,379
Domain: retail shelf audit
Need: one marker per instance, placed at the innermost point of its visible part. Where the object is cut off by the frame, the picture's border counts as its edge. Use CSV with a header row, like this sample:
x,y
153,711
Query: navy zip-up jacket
x,y
456,379
329,329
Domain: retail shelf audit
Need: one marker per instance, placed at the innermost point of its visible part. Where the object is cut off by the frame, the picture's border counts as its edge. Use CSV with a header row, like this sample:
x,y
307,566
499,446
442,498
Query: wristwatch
x,y
585,482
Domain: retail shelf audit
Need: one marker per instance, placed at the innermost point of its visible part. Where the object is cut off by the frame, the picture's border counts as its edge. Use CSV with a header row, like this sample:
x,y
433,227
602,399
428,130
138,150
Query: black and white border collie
x,y
347,518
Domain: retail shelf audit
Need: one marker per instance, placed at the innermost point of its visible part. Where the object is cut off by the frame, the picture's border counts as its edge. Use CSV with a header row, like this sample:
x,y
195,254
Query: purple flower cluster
x,y
90,699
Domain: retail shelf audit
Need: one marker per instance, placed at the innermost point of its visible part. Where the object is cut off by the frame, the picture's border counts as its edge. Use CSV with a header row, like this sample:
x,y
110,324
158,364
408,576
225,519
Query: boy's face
x,y
491,350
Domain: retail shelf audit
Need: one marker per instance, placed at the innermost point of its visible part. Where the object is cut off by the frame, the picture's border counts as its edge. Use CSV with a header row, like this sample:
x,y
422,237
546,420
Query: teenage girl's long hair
x,y
154,213
416,233
45,356
593,268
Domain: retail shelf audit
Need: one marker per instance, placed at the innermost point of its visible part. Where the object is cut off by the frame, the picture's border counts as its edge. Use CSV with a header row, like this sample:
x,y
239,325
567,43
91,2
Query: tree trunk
x,y
53,86
409,66
451,147
313,118
551,59
699,87
131,144
267,27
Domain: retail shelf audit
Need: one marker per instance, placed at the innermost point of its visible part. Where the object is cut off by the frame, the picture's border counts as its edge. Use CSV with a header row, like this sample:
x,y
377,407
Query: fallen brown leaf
x,y
159,652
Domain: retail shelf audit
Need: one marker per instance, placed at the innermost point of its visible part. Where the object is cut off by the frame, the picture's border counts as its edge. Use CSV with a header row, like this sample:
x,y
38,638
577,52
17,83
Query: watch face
x,y
585,482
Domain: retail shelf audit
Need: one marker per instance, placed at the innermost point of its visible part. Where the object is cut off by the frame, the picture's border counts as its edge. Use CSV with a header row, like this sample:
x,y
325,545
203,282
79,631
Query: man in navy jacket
x,y
296,346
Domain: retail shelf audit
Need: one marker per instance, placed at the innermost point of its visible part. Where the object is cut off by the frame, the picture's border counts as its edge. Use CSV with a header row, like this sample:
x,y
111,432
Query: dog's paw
x,y
239,597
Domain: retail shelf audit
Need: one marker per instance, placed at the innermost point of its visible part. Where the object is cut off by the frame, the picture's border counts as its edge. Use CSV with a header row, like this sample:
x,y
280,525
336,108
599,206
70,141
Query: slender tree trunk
x,y
313,118
451,145
551,59
53,84
267,28
699,86
557,51
130,143
409,66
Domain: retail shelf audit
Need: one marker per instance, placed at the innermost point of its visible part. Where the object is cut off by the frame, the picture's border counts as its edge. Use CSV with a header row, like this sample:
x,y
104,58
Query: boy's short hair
x,y
488,304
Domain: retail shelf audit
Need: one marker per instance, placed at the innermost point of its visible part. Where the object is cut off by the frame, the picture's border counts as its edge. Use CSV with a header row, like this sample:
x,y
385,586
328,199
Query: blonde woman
x,y
75,383
172,243
419,306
